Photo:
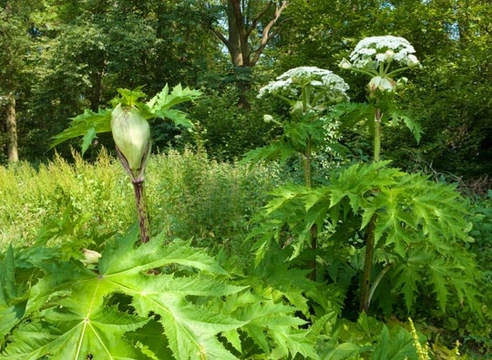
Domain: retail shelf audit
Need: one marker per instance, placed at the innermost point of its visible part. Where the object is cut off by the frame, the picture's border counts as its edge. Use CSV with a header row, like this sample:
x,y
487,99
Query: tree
x,y
452,96
245,28
245,21
14,42
86,50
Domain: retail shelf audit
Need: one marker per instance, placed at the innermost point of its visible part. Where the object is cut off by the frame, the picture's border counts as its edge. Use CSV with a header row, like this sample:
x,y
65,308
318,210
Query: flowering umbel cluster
x,y
325,88
377,56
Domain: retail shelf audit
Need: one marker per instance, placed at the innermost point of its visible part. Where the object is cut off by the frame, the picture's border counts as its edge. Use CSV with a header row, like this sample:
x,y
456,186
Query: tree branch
x,y
258,18
220,36
267,35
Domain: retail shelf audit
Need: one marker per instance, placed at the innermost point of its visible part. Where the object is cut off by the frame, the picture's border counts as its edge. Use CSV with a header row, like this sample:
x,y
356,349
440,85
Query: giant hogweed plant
x,y
310,93
142,296
128,121
394,228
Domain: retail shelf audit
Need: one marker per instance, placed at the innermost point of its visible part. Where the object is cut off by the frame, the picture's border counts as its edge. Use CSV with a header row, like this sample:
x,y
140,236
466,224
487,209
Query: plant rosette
x,y
377,56
308,88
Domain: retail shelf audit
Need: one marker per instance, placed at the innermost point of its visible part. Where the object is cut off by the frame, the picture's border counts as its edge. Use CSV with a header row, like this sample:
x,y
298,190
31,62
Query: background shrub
x,y
189,195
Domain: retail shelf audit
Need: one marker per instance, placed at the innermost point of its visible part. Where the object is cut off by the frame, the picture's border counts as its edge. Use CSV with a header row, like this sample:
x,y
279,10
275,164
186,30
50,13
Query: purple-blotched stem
x,y
143,218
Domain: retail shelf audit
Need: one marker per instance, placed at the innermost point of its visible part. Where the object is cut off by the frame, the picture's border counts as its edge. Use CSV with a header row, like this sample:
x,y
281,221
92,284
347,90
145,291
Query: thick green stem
x,y
365,294
143,218
308,182
366,279
377,133
308,177
376,283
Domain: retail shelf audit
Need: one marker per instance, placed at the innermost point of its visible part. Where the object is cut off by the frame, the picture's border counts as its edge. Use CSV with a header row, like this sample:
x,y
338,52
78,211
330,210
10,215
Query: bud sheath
x,y
131,133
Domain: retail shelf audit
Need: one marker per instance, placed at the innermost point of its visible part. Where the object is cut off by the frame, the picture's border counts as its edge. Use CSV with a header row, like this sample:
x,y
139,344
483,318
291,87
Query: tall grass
x,y
200,198
189,196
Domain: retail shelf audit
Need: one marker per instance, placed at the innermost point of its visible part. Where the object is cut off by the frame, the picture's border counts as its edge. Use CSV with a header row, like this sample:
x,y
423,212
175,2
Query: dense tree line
x,y
60,57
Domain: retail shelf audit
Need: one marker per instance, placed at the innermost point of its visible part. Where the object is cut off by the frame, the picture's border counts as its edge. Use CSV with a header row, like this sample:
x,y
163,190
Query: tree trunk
x,y
11,123
240,43
235,30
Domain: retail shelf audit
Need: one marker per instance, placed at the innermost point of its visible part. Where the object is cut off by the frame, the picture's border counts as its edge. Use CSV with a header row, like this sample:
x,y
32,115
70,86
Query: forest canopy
x,y
61,57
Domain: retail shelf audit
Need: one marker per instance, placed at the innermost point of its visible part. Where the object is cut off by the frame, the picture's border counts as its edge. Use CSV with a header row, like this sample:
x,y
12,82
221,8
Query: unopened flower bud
x,y
402,82
345,64
412,61
131,133
90,256
267,118
381,83
389,55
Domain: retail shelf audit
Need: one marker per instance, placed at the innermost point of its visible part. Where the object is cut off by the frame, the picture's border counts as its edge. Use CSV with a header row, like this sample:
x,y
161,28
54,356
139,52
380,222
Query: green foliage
x,y
100,200
296,133
189,195
368,338
211,202
86,125
420,232
114,309
223,130
359,117
91,123
476,332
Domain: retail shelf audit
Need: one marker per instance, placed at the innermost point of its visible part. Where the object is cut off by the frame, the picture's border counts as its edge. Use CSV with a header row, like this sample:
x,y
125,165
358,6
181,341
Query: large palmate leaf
x,y
414,127
91,123
12,295
270,325
409,214
86,125
74,317
165,100
74,326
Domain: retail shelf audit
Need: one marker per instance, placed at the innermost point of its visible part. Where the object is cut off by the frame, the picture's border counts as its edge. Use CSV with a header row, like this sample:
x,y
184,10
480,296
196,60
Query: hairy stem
x,y
308,182
143,218
365,295
366,279
377,133
376,283
308,177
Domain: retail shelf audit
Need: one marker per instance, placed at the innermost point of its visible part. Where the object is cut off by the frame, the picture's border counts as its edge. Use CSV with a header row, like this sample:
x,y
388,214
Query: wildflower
x,y
326,87
370,52
412,61
374,56
389,55
345,64
382,84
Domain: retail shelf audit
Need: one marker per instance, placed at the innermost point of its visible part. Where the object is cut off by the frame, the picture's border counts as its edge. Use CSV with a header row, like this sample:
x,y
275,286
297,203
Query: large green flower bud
x,y
131,133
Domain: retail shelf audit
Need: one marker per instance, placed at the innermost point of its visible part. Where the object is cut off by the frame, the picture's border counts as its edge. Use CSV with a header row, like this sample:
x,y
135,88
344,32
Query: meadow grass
x,y
189,196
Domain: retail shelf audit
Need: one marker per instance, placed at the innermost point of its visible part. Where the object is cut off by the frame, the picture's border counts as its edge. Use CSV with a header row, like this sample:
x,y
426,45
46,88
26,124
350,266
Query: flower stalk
x,y
131,133
309,91
143,218
375,57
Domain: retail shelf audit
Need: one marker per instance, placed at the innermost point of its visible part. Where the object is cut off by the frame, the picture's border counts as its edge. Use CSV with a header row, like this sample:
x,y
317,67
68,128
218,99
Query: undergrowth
x,y
189,196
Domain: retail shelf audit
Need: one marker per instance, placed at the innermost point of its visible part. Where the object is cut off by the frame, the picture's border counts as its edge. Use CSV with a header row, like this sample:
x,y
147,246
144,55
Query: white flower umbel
x,y
376,55
371,51
325,87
